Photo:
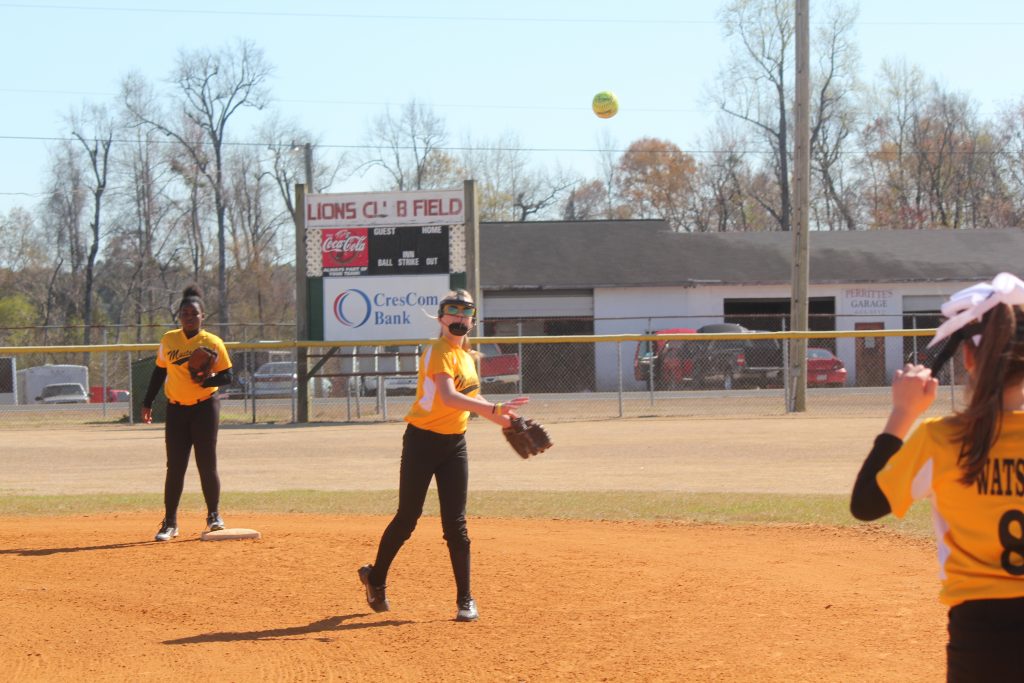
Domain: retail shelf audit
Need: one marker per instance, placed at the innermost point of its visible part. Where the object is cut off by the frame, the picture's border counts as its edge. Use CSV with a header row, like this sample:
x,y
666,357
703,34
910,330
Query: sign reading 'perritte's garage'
x,y
428,207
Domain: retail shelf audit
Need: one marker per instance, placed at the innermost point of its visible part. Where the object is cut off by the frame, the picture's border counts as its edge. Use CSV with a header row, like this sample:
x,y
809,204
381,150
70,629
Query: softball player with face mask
x,y
971,466
434,447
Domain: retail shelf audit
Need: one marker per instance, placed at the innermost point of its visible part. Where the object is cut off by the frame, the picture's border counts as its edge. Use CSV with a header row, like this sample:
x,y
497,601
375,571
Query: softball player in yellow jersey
x,y
971,466
193,411
434,447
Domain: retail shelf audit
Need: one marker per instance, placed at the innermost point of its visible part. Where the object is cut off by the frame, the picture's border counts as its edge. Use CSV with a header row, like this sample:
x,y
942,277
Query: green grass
x,y
716,508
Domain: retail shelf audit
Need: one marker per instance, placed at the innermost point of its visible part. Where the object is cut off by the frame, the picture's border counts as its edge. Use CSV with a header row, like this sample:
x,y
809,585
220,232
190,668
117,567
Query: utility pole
x,y
798,307
302,290
307,151
473,244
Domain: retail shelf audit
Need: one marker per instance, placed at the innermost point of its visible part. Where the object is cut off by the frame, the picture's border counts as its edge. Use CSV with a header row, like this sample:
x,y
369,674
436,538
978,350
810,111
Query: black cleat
x,y
214,522
375,596
167,531
467,610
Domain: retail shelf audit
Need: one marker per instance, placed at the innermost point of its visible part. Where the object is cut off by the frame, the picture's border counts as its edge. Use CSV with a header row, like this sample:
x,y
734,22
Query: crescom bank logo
x,y
352,308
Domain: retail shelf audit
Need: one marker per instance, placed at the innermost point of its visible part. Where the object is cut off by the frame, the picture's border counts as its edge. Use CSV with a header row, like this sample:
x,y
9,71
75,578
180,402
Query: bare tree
x,y
408,148
144,243
608,158
834,120
511,188
94,129
62,219
721,199
756,85
213,86
285,142
538,193
931,161
1010,123
22,250
497,167
257,229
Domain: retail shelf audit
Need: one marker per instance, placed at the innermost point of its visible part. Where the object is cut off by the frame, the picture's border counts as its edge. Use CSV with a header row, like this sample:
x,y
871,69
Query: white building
x,y
631,277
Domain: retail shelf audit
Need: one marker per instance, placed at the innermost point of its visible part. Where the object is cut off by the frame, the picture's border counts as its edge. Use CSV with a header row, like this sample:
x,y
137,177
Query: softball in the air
x,y
605,105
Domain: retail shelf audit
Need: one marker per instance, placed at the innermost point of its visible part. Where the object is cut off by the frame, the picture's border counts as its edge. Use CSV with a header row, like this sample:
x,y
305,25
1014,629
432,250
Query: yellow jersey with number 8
x,y
979,528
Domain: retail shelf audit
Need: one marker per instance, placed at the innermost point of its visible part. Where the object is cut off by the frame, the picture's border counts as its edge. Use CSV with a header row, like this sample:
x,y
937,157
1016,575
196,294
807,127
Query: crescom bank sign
x,y
378,308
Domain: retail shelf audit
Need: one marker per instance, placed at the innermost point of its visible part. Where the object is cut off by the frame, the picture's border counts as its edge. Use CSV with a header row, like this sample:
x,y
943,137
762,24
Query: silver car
x,y
280,379
70,392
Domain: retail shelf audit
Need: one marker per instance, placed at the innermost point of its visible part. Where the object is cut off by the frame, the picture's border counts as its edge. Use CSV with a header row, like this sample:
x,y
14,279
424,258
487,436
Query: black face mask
x,y
459,329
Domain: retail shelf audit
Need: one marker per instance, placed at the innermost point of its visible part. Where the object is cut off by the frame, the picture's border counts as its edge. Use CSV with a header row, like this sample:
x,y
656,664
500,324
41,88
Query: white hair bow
x,y
972,303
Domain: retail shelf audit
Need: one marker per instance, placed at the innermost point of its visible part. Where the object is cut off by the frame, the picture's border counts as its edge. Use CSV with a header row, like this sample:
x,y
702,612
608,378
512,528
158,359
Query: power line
x,y
463,148
468,18
347,15
455,148
366,103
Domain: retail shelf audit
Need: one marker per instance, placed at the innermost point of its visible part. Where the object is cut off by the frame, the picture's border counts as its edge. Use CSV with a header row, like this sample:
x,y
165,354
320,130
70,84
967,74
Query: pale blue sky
x,y
530,67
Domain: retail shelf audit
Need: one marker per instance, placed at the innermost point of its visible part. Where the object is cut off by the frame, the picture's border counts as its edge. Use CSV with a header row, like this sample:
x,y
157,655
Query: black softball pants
x,y
986,641
189,427
427,455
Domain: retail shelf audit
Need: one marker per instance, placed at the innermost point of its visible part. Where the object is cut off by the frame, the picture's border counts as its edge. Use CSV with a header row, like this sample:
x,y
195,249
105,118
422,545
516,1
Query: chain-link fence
x,y
718,373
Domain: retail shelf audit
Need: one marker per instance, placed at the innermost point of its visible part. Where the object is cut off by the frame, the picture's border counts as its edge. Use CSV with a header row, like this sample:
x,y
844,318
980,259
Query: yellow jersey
x,y
979,528
428,412
175,348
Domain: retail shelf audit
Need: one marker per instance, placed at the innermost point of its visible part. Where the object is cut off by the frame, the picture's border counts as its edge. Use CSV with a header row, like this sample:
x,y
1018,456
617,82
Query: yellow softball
x,y
605,104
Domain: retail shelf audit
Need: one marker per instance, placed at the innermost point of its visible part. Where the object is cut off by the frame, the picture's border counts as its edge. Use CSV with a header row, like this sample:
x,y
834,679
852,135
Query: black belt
x,y
191,405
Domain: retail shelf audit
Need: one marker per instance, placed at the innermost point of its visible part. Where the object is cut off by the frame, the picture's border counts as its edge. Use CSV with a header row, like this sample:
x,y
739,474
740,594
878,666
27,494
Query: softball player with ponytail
x,y
434,447
971,465
193,411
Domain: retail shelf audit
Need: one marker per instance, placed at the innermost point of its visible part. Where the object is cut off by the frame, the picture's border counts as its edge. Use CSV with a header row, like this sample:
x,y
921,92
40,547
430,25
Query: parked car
x,y
652,353
397,365
279,379
725,363
735,362
97,395
824,369
68,392
395,386
236,389
498,371
760,363
498,368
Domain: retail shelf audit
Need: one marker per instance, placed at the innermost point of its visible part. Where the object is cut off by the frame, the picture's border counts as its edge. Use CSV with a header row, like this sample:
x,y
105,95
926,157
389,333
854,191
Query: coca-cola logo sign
x,y
345,248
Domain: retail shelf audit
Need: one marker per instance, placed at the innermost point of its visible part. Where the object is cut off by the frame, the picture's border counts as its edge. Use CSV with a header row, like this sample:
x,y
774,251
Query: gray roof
x,y
588,254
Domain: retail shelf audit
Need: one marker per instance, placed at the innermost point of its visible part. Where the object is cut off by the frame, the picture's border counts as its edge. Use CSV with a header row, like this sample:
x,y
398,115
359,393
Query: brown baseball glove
x,y
527,437
200,363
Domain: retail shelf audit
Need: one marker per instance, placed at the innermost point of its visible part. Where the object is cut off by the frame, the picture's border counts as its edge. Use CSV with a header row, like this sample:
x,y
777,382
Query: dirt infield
x,y
93,598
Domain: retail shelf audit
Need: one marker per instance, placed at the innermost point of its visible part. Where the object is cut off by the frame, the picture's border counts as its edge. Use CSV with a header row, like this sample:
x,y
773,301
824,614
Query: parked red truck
x,y
499,370
652,352
112,395
719,363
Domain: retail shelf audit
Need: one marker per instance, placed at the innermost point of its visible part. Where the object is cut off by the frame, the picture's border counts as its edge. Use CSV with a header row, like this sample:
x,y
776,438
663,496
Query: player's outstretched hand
x,y
913,392
517,402
147,415
506,411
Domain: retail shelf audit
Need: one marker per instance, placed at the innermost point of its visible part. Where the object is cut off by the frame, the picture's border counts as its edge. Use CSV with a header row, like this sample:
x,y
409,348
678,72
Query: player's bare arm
x,y
500,414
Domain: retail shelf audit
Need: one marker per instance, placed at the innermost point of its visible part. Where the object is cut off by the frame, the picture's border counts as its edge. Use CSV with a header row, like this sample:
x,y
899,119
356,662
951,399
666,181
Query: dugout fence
x,y
568,378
